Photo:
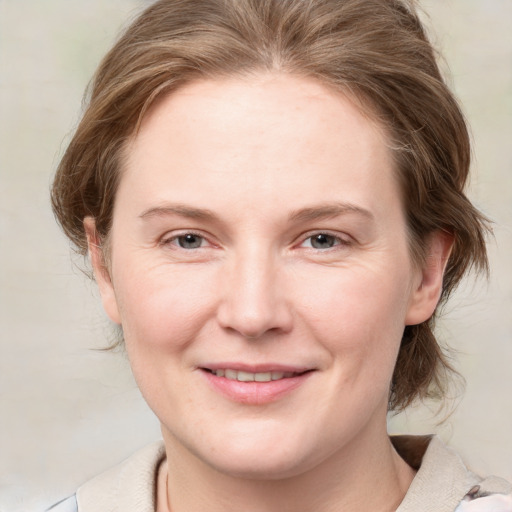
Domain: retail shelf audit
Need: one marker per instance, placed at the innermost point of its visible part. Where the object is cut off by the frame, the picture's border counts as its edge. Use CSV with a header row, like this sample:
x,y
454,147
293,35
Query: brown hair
x,y
374,50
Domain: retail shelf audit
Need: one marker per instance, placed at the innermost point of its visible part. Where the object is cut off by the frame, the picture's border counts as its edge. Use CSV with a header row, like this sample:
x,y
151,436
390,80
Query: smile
x,y
258,387
243,376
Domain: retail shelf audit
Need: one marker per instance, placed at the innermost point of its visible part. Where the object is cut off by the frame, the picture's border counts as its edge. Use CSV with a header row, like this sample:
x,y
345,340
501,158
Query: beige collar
x,y
442,479
440,484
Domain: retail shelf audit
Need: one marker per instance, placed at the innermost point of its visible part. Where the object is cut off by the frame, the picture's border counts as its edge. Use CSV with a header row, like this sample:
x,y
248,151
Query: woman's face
x,y
261,274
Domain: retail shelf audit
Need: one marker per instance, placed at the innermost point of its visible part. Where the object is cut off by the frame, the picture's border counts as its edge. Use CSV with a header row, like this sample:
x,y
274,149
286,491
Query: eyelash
x,y
175,238
338,241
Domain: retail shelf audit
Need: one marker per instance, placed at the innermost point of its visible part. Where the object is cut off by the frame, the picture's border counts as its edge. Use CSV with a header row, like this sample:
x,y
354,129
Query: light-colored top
x,y
442,483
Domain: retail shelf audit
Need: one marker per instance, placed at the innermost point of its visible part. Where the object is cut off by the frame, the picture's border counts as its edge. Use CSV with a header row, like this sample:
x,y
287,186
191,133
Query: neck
x,y
368,475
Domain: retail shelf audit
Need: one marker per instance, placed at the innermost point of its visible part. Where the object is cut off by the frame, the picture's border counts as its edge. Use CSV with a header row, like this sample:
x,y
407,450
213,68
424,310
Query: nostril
x,y
252,301
255,323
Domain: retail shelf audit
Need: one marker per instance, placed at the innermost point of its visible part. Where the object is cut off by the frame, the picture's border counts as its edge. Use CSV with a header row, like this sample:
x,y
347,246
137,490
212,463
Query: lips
x,y
244,376
254,385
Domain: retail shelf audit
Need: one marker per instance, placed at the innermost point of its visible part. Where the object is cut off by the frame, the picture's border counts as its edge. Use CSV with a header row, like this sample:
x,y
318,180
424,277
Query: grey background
x,y
68,410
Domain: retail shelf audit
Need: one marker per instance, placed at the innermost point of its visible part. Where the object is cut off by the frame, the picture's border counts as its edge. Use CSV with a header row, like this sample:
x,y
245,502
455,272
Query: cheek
x,y
163,309
358,314
162,313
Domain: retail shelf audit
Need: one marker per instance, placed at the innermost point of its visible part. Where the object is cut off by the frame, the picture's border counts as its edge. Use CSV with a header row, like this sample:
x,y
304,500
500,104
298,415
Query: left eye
x,y
322,241
188,241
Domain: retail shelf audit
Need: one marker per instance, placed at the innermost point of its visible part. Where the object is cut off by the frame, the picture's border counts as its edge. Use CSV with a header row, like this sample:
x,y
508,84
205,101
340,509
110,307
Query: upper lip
x,y
256,368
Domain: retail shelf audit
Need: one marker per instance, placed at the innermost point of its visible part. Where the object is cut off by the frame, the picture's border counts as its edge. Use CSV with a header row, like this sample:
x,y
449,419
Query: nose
x,y
254,299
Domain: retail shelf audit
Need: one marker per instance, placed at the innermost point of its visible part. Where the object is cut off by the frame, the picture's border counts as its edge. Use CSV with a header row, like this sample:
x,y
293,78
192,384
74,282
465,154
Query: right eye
x,y
322,241
187,241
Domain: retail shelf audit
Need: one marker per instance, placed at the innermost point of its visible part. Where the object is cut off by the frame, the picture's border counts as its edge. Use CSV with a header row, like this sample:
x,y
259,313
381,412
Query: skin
x,y
255,168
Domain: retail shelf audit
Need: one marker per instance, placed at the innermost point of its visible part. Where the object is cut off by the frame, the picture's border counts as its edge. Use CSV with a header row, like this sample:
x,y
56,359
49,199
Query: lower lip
x,y
255,393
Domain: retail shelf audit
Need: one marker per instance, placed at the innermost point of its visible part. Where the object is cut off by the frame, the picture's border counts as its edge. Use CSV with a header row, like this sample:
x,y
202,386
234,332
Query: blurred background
x,y
69,410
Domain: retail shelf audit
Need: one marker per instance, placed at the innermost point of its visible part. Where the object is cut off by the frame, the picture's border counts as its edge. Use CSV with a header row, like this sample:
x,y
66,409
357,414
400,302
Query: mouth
x,y
253,385
245,376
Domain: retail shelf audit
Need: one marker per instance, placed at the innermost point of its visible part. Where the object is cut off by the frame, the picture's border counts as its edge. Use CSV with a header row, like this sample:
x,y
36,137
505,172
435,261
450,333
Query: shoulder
x,y
479,500
443,481
67,505
127,487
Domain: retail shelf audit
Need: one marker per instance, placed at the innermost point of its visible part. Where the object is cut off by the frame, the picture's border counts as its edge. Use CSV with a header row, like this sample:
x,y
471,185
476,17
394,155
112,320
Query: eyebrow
x,y
179,209
318,212
326,211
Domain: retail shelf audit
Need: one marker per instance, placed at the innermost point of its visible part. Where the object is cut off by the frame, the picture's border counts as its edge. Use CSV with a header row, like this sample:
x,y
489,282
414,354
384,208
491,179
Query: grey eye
x,y
190,241
323,241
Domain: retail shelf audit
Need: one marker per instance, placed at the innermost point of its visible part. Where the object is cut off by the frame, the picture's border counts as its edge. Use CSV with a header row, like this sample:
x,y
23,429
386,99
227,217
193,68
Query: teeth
x,y
263,377
252,377
245,377
230,374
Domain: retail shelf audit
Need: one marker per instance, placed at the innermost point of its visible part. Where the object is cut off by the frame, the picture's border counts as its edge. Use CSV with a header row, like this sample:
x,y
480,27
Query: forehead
x,y
254,139
257,101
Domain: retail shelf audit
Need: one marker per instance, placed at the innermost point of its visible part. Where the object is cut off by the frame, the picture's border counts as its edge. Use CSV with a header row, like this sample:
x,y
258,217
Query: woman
x,y
272,197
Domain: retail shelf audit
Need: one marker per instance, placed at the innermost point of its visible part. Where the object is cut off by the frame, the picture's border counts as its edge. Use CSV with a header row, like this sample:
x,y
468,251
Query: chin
x,y
260,467
259,457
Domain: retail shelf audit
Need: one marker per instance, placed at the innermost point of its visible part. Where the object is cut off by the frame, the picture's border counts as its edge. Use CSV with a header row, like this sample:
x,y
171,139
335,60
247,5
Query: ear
x,y
427,292
101,272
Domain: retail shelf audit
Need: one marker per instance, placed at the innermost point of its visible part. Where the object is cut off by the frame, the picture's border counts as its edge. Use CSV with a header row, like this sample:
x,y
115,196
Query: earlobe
x,y
426,295
101,272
